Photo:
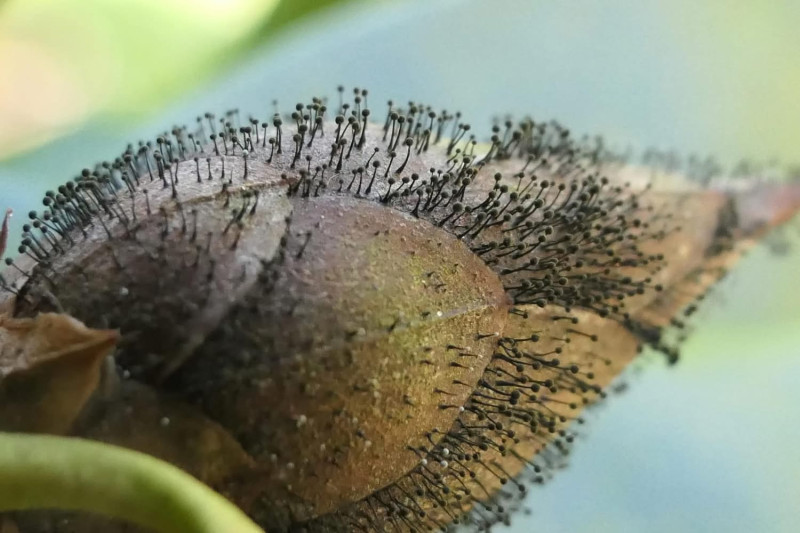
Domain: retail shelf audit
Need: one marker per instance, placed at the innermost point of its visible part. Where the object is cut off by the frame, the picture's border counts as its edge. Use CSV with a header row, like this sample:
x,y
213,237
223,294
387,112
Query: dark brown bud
x,y
356,326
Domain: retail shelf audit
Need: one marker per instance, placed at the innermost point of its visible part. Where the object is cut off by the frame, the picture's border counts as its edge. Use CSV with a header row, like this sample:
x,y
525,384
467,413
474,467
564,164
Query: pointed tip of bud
x,y
766,206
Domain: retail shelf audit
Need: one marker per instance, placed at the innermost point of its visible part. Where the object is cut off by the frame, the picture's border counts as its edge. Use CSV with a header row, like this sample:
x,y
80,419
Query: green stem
x,y
47,472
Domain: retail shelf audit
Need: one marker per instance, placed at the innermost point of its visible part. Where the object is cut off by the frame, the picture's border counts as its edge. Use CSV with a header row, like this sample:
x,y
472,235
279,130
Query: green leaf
x,y
38,472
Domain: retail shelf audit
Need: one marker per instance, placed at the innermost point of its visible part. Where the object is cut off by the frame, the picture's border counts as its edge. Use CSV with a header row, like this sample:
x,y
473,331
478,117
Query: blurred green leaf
x,y
70,61
46,472
289,11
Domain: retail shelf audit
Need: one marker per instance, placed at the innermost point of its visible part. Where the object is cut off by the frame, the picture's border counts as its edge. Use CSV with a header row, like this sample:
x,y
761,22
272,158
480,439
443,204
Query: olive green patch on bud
x,y
340,364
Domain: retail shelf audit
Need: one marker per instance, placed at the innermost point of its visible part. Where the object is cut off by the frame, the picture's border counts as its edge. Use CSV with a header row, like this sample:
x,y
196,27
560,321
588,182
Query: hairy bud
x,y
347,325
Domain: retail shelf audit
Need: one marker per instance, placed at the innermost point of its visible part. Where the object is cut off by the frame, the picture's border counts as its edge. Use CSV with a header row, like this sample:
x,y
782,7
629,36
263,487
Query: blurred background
x,y
709,445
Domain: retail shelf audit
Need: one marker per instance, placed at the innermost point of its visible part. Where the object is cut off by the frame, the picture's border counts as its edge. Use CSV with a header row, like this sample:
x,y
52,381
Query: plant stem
x,y
47,472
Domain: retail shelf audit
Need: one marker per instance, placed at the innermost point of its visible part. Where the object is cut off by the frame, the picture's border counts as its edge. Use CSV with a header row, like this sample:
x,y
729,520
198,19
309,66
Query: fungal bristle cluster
x,y
398,322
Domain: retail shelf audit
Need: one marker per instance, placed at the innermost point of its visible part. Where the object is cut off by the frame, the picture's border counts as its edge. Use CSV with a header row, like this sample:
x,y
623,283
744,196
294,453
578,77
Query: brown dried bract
x,y
4,232
49,367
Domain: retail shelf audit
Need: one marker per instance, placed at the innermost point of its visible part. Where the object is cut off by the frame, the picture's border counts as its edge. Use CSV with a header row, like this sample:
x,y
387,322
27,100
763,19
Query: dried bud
x,y
349,326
